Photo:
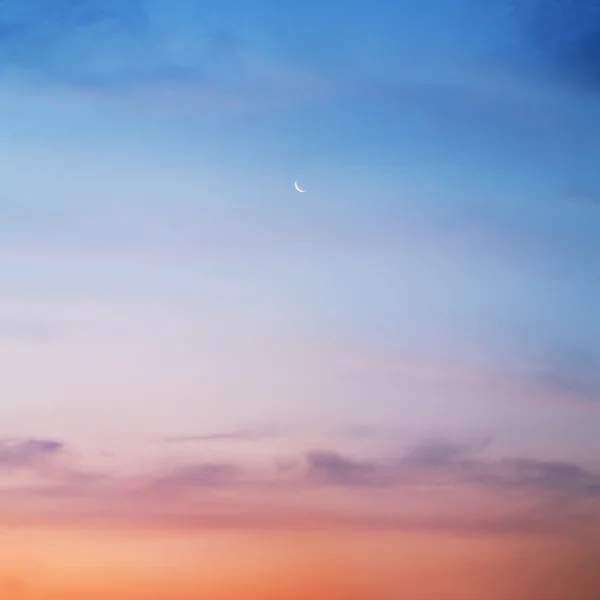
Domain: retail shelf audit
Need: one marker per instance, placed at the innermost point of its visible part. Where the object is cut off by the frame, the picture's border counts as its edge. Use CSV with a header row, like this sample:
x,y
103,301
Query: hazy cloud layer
x,y
552,494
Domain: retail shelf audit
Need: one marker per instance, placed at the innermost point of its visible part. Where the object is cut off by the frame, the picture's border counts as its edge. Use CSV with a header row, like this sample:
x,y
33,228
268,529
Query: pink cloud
x,y
434,486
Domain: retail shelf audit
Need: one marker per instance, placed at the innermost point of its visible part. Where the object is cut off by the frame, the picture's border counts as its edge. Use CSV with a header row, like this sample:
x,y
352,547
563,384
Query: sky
x,y
214,384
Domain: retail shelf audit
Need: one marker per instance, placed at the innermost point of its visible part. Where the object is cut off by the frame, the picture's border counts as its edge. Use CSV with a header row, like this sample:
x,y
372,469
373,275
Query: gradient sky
x,y
188,344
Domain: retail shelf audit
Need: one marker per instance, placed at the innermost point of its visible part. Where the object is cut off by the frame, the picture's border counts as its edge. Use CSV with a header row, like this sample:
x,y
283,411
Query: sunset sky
x,y
213,386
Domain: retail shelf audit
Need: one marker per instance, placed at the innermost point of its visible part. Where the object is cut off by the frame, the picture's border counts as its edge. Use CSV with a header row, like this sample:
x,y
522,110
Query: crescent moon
x,y
296,186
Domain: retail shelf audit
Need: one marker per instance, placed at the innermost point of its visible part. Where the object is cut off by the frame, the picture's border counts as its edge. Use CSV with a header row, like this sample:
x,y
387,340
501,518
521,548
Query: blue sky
x,y
452,212
402,363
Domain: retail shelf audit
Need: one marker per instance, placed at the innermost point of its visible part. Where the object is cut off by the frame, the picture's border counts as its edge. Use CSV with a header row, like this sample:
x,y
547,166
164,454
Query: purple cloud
x,y
206,475
28,453
330,468
439,453
553,494
439,462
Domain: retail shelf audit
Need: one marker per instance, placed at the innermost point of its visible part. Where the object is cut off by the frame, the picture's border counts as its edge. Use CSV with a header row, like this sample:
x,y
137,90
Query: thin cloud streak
x,y
242,435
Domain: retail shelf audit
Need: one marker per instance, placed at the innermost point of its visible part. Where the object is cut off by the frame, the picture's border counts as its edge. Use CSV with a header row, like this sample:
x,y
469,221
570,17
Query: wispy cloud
x,y
440,463
438,452
28,453
204,475
242,435
433,462
331,468
548,495
43,468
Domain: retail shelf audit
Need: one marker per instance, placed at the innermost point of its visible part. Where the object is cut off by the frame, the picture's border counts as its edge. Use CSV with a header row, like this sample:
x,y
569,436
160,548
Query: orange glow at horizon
x,y
93,565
